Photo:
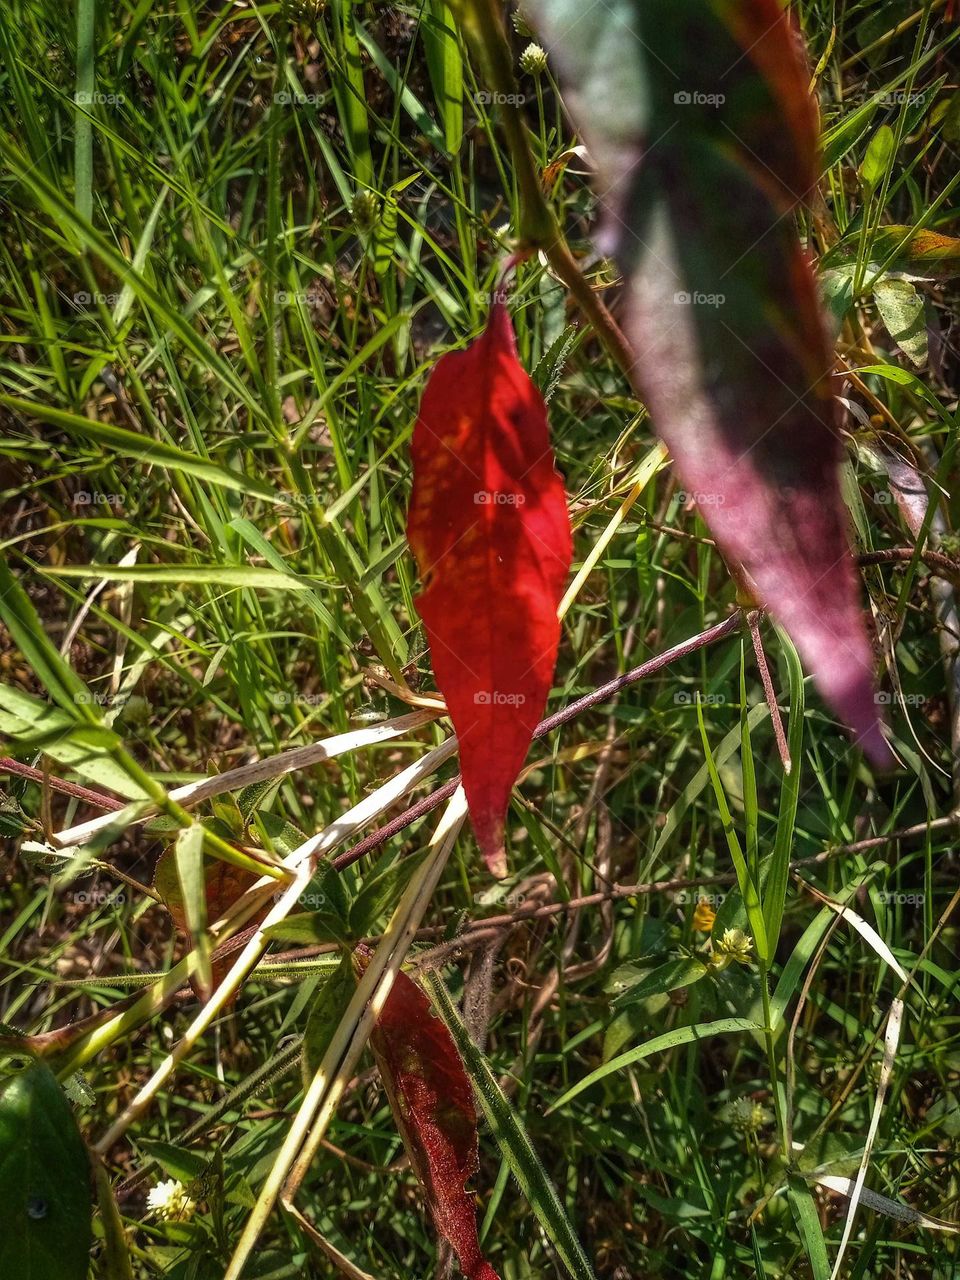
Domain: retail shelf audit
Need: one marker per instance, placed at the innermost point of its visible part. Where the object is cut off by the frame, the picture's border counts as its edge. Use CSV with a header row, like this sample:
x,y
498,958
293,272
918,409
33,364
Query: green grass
x,y
225,281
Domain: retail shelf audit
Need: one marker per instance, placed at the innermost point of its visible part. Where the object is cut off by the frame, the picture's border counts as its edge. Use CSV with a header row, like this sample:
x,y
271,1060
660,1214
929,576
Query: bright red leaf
x,y
489,527
432,1102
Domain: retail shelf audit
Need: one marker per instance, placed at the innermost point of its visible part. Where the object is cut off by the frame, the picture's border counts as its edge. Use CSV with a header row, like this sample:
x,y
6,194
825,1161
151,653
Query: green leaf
x,y
310,927
878,157
902,310
193,890
45,1176
775,871
669,1040
128,444
176,1162
380,892
329,1006
808,1224
30,636
682,972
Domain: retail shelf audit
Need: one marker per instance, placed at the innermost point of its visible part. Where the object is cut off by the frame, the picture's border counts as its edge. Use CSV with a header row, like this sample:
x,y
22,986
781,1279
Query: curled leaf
x,y
705,137
432,1102
489,527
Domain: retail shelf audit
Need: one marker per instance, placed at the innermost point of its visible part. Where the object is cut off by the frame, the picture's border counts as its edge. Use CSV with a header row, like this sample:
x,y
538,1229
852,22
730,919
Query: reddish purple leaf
x,y
700,121
432,1102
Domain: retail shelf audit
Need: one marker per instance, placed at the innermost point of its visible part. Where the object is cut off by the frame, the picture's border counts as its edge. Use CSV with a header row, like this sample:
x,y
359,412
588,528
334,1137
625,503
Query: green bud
x,y
533,60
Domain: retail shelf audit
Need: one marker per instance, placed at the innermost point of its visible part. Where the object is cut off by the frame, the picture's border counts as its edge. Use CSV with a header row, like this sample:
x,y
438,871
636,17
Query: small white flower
x,y
533,60
170,1202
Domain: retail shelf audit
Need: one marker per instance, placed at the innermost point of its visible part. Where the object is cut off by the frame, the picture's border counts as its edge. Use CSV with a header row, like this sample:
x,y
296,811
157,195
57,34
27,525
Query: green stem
x,y
483,23
772,1058
83,128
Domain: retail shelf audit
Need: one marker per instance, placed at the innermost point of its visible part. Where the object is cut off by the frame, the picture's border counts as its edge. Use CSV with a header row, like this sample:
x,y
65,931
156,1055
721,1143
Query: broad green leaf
x,y
380,892
310,927
902,310
45,1178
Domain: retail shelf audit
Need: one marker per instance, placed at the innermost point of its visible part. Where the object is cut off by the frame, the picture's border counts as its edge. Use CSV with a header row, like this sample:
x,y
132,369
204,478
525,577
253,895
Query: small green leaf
x,y
381,891
329,1006
192,877
682,972
309,927
878,157
902,310
45,1193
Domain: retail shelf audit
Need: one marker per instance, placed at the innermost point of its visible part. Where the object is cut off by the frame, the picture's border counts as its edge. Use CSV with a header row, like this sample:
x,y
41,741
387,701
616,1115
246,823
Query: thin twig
x,y
602,694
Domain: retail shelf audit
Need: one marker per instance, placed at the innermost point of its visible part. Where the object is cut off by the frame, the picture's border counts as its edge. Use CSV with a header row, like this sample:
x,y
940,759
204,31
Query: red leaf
x,y
701,124
432,1102
489,527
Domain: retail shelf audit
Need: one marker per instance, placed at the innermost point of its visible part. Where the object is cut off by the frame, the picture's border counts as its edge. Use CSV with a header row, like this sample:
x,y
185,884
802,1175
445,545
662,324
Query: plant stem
x,y
483,22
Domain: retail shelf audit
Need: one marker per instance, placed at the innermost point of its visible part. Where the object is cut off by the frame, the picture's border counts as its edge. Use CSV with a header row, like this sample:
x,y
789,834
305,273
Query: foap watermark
x,y
685,896
496,698
310,899
683,698
100,896
283,699
97,99
887,698
87,698
701,497
85,299
294,98
492,297
497,896
95,498
694,98
498,498
485,99
891,898
900,98
683,298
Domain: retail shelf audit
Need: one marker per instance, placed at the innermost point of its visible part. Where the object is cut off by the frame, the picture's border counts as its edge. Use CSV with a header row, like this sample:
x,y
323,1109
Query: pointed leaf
x,y
902,311
489,527
45,1176
704,134
432,1102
